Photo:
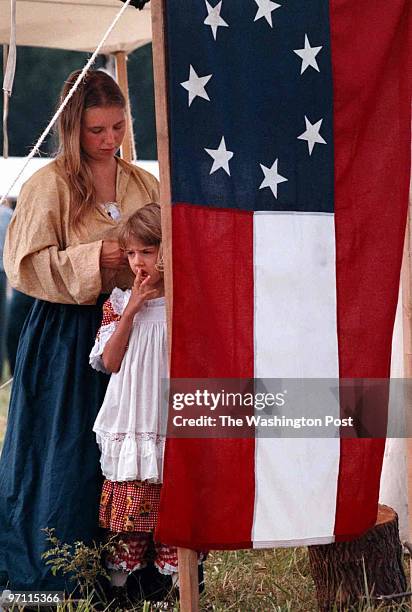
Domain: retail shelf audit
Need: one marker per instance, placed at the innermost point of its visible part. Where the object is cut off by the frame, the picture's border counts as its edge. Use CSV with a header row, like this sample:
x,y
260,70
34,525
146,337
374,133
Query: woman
x,y
62,249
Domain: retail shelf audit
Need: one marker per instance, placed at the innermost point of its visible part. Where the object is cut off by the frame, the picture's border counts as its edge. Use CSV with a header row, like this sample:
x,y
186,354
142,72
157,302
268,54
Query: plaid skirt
x,y
129,510
129,506
132,551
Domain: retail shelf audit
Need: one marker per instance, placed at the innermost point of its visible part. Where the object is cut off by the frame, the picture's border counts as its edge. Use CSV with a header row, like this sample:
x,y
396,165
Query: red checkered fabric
x,y
109,315
129,506
131,554
166,558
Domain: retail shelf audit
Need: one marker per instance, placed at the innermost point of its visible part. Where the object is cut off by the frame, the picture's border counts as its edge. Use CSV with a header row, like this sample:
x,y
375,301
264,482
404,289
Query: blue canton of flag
x,y
252,129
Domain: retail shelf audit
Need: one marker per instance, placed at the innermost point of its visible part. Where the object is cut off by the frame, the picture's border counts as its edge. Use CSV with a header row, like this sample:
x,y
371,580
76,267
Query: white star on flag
x,y
308,55
272,178
311,134
266,7
196,85
213,19
221,157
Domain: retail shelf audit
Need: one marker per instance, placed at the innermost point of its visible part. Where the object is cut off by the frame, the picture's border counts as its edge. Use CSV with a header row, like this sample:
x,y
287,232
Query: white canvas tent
x,y
9,168
394,478
76,25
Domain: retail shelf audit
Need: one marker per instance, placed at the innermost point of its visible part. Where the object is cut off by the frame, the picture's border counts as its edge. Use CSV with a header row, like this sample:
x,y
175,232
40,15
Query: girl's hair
x,y
97,89
145,226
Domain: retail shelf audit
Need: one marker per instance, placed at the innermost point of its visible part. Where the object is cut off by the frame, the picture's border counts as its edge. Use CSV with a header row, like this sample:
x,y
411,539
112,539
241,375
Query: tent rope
x,y
6,384
36,148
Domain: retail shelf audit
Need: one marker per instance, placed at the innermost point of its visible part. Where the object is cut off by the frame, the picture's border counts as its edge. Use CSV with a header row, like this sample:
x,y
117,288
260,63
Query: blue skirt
x,y
49,468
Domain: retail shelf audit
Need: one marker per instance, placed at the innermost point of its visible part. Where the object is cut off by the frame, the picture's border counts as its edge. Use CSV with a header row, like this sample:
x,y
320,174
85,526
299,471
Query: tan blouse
x,y
45,257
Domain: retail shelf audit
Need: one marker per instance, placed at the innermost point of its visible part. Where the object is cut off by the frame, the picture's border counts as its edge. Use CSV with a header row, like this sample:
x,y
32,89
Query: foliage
x,y
39,77
82,563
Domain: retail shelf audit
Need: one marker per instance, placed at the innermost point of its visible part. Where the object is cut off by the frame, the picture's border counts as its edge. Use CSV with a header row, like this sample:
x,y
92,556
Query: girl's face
x,y
144,258
102,131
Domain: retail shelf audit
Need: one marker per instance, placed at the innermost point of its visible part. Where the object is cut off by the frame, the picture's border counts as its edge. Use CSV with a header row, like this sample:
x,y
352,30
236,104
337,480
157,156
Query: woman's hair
x,y
144,226
97,89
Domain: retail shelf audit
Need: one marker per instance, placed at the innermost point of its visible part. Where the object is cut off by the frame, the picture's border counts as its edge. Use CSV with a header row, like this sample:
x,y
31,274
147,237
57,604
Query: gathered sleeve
x,y
153,188
110,320
148,183
36,259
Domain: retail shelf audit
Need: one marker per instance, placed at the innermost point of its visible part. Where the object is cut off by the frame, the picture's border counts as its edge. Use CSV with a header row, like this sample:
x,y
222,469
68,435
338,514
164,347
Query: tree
x,y
40,74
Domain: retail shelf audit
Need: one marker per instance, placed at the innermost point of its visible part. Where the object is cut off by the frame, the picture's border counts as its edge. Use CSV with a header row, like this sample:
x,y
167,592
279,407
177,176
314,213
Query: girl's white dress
x,y
131,424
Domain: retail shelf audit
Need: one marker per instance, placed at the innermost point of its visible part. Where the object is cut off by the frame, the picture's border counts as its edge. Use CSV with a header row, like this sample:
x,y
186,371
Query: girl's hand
x,y
112,256
141,292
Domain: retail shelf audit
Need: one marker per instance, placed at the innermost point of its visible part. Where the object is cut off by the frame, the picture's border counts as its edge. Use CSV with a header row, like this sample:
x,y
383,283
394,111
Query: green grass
x,y
268,580
259,581
273,580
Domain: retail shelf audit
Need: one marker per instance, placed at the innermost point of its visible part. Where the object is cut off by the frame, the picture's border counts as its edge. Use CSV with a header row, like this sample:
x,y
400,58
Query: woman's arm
x,y
35,259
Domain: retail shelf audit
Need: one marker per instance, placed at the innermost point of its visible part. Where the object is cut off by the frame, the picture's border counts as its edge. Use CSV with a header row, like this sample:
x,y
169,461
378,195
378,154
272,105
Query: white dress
x,y
131,425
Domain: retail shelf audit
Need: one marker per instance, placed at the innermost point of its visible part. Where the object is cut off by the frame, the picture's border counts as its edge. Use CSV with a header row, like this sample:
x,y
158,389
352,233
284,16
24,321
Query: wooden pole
x,y
162,132
188,574
121,76
5,107
188,580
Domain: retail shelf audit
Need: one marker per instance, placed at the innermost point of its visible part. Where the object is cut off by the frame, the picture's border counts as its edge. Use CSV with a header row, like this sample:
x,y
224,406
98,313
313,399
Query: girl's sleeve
x,y
108,326
36,260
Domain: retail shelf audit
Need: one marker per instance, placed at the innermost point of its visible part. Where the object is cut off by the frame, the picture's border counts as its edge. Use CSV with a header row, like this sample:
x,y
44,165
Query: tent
x,y
76,25
9,168
79,25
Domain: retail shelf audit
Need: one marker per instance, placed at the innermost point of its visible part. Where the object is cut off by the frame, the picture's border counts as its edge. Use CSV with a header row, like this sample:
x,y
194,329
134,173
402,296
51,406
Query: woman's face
x,y
102,131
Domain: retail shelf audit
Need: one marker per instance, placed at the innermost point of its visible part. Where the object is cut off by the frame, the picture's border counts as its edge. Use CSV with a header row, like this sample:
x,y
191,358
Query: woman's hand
x,y
141,292
112,256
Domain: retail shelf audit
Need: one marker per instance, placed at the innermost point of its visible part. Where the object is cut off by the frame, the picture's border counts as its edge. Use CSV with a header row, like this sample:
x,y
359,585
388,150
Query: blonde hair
x,y
145,226
97,89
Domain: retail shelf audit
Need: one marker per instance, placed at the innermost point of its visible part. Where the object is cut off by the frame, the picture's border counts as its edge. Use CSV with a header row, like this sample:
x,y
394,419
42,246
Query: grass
x,y
268,580
276,580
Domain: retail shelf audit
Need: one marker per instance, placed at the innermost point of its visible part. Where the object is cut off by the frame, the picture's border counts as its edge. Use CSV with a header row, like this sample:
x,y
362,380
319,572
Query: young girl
x,y
130,427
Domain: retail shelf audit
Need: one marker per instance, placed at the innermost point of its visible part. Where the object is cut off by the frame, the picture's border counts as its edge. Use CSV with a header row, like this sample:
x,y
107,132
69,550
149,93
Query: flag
x,y
289,128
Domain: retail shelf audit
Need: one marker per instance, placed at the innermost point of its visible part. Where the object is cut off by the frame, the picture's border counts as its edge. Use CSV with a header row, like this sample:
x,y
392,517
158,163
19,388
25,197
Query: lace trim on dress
x,y
142,436
132,455
166,569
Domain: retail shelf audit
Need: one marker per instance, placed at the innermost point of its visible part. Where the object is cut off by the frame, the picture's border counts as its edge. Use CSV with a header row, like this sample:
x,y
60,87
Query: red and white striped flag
x,y
289,129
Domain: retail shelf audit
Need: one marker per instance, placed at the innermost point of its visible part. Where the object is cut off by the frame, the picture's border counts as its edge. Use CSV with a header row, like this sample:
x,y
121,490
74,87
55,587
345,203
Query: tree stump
x,y
344,572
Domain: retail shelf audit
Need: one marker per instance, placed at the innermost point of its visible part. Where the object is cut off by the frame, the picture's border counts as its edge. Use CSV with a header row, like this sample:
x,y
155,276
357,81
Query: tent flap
x,y
76,25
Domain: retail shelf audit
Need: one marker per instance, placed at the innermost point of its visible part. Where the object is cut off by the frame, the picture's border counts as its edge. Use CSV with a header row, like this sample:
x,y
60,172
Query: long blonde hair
x,y
97,89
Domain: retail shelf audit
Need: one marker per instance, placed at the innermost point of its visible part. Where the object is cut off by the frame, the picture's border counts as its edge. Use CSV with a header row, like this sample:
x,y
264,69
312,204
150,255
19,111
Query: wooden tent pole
x,y
188,574
162,133
121,76
5,107
188,580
